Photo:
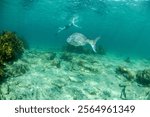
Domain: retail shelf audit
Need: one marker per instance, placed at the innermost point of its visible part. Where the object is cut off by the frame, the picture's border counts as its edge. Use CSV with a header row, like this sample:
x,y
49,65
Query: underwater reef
x,y
125,72
66,75
143,77
11,48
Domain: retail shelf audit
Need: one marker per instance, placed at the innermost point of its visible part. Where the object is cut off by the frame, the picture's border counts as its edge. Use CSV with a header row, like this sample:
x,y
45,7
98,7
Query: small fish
x,y
78,39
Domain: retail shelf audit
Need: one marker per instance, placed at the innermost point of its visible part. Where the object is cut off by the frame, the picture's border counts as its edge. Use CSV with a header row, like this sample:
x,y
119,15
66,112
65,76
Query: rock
x,y
78,94
74,49
91,90
125,72
59,83
106,93
100,50
4,89
1,73
56,63
66,57
148,96
88,67
128,60
52,56
16,69
143,77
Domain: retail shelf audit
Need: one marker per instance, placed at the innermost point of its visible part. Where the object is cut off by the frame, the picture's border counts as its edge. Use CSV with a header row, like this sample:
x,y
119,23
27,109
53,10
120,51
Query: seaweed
x,y
11,48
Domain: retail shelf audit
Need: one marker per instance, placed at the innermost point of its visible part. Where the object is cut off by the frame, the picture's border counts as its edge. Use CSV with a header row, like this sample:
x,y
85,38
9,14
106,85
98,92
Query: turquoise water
x,y
124,25
46,71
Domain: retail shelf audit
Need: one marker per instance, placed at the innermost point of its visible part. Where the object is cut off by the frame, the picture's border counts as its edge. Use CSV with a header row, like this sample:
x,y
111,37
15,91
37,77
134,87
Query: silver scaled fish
x,y
78,39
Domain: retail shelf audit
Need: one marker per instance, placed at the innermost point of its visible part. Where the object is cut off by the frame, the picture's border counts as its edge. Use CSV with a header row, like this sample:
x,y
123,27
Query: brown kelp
x,y
11,48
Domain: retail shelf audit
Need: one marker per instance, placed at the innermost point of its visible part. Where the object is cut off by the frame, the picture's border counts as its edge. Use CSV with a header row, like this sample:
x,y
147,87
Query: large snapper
x,y
78,39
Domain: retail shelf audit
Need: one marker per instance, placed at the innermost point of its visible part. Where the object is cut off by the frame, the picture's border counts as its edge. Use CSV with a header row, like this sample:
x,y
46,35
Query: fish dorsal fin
x,y
93,43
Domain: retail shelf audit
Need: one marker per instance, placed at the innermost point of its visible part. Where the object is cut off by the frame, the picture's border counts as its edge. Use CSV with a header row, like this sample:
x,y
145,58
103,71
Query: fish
x,y
78,39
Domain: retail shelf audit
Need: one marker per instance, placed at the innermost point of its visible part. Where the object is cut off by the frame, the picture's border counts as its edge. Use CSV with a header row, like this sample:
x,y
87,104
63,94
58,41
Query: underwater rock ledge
x,y
66,75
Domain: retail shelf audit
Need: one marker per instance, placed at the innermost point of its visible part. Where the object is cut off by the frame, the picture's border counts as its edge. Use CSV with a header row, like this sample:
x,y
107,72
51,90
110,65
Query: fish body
x,y
78,39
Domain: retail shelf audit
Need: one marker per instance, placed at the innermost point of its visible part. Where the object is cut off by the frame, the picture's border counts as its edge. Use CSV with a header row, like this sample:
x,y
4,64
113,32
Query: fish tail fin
x,y
97,38
93,43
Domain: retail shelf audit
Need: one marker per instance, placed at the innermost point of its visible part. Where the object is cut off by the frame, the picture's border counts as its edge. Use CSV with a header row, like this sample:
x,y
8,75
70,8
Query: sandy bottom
x,y
70,76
